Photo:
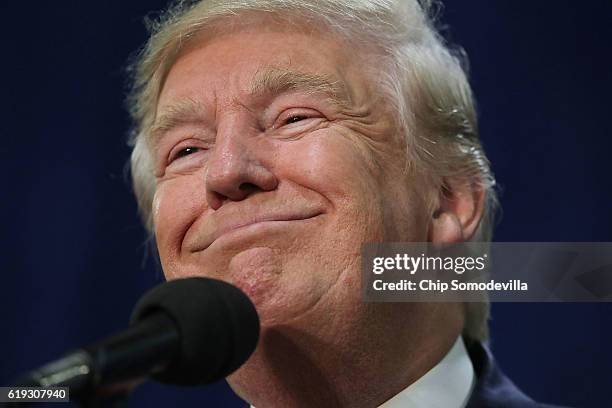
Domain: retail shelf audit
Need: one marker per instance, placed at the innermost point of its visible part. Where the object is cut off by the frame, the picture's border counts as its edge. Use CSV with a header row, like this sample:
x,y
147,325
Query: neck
x,y
385,349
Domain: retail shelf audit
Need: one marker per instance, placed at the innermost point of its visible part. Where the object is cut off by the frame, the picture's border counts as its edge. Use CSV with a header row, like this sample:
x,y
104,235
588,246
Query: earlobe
x,y
445,229
459,211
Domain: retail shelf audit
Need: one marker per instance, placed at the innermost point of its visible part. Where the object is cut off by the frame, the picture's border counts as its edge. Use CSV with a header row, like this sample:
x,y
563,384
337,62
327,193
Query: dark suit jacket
x,y
493,389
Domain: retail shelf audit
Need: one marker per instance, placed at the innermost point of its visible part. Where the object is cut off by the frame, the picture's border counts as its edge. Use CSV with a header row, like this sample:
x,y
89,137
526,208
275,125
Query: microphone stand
x,y
100,376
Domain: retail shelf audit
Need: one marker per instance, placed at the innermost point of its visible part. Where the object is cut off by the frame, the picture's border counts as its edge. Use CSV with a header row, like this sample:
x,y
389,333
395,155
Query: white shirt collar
x,y
448,384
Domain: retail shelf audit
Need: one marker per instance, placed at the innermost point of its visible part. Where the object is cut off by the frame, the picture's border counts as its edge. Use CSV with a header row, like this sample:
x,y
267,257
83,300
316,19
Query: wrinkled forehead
x,y
328,58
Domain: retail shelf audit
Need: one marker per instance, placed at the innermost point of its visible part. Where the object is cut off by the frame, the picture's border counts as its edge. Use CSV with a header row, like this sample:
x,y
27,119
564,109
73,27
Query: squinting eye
x,y
294,119
186,152
295,116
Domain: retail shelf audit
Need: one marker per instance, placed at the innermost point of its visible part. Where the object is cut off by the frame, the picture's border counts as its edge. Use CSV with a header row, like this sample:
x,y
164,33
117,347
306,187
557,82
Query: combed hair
x,y
422,77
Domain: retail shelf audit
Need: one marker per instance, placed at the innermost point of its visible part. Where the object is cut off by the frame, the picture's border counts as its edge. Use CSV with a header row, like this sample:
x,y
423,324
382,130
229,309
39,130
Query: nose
x,y
234,172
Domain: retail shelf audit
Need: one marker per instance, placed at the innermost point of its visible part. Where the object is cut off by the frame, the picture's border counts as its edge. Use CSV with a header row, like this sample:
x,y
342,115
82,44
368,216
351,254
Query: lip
x,y
226,227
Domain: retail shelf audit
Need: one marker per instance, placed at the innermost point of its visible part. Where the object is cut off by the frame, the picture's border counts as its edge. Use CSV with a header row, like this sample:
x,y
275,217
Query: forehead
x,y
250,60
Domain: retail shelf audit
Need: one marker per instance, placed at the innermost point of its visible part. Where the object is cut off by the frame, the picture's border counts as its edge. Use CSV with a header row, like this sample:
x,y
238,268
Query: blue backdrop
x,y
72,248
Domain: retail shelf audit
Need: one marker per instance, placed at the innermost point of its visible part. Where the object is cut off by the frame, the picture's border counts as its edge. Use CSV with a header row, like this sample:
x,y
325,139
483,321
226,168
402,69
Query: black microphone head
x,y
217,323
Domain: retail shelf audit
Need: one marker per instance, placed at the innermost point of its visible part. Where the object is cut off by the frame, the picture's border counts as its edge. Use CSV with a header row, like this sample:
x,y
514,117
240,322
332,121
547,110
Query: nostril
x,y
237,182
247,187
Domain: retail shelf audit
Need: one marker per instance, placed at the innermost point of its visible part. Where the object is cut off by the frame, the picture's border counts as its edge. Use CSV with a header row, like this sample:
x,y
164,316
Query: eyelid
x,y
308,113
184,144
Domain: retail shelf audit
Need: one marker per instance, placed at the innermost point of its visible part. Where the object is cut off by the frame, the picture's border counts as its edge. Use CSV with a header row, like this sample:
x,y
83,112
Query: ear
x,y
458,212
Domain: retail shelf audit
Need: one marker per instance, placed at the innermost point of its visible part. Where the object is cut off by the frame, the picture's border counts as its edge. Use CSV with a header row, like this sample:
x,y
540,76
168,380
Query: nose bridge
x,y
233,170
231,154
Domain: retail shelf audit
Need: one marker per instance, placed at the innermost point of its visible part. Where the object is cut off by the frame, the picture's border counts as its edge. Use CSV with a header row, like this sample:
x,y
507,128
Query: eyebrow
x,y
184,111
268,81
275,81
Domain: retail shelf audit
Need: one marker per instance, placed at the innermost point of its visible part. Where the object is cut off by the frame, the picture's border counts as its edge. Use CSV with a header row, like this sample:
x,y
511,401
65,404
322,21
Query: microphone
x,y
184,332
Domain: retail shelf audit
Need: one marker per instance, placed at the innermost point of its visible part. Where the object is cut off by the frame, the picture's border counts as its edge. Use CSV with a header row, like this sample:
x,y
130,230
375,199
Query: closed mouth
x,y
231,227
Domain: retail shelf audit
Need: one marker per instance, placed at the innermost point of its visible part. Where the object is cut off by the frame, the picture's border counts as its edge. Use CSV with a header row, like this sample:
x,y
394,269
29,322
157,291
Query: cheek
x,y
373,196
176,205
337,168
331,165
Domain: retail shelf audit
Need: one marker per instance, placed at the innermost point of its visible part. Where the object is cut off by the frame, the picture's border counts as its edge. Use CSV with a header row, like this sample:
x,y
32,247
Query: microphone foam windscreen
x,y
217,323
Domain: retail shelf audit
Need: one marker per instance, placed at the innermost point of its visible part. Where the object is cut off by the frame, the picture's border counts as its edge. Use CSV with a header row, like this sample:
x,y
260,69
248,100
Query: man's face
x,y
276,159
